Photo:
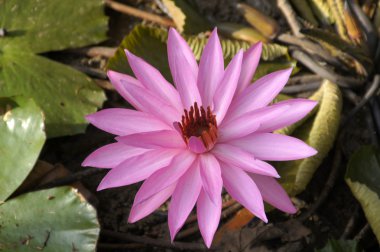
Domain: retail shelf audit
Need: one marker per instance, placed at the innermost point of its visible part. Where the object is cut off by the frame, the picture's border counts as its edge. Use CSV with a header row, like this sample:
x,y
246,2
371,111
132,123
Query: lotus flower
x,y
212,130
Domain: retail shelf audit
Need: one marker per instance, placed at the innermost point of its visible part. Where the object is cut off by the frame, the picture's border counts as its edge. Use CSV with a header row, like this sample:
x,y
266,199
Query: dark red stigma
x,y
199,123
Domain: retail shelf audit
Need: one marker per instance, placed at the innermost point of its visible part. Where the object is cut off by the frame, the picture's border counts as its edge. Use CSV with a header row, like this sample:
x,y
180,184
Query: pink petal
x,y
196,145
137,168
211,68
273,193
226,89
250,122
153,80
211,176
237,157
119,81
111,155
274,147
243,189
259,94
184,69
299,108
125,121
154,139
183,199
167,176
208,213
251,60
143,209
152,104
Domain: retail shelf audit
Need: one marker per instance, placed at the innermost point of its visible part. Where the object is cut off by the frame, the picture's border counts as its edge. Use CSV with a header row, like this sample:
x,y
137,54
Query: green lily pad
x,y
50,25
363,176
150,44
21,139
32,26
340,246
186,18
53,220
319,130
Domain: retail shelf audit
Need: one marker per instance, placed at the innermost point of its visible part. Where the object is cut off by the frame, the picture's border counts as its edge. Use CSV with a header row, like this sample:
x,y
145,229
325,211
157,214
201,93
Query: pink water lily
x,y
212,130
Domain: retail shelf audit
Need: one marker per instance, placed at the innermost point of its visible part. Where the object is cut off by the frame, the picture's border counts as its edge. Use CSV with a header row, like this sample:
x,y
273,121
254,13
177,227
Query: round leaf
x,y
54,220
21,139
64,94
48,25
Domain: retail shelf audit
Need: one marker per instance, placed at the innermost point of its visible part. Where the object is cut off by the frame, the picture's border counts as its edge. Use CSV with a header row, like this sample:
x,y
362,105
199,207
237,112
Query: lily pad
x,y
363,176
21,139
32,26
318,130
53,220
150,44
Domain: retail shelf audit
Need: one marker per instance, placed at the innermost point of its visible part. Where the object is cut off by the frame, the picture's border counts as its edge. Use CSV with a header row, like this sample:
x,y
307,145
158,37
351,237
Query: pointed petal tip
x,y
292,209
100,187
214,33
112,75
132,218
208,242
89,118
173,32
85,163
264,218
312,152
128,53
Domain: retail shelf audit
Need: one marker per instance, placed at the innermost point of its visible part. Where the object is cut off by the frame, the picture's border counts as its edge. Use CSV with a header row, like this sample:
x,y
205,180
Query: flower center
x,y
199,123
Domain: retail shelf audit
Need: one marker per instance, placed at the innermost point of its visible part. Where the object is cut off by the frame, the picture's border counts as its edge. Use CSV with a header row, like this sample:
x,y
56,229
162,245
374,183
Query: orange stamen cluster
x,y
199,123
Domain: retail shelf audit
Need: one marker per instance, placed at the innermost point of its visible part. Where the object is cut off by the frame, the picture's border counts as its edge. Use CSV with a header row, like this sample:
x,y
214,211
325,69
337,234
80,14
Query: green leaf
x,y
32,26
186,18
150,44
54,220
317,130
64,94
340,246
363,176
51,25
21,139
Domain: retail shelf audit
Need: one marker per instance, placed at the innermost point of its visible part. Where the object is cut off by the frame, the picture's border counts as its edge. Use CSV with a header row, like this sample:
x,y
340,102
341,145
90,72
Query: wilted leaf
x,y
340,246
53,220
304,10
186,18
150,44
319,131
336,7
353,29
34,26
322,10
341,48
363,176
21,139
242,32
263,23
